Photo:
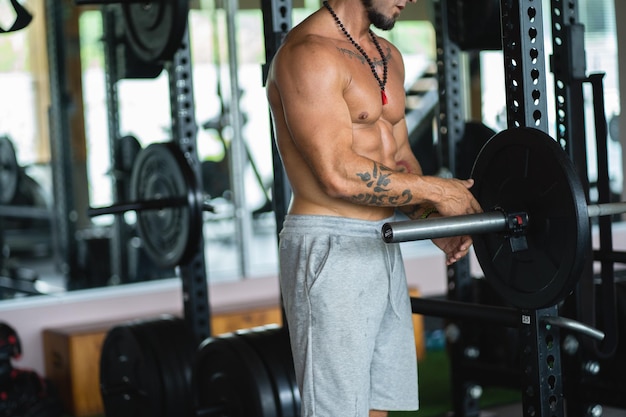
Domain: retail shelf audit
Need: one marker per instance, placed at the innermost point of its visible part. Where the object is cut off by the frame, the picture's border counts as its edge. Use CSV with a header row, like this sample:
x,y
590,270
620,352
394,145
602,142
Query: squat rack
x,y
526,106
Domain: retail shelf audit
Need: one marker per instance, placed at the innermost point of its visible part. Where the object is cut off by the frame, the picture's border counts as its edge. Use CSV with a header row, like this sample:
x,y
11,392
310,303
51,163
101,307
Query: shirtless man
x,y
336,93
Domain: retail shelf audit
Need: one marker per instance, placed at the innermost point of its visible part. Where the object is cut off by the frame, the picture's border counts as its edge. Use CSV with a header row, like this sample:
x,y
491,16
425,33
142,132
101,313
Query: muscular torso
x,y
377,130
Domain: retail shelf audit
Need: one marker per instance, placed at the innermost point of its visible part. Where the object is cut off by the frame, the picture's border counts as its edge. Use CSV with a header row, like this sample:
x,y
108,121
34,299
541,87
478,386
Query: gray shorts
x,y
349,317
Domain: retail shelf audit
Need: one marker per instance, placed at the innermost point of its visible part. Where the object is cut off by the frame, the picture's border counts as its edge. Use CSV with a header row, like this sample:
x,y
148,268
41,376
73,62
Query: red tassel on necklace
x,y
383,96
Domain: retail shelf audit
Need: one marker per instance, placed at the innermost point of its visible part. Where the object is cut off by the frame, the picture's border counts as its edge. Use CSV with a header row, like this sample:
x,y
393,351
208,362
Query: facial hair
x,y
378,19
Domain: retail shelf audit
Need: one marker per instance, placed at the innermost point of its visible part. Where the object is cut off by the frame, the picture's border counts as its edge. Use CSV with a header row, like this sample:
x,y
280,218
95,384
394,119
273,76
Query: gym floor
x,y
434,384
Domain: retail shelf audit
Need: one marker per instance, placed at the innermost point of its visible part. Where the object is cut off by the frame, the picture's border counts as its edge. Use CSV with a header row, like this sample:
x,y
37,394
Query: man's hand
x,y
455,247
457,199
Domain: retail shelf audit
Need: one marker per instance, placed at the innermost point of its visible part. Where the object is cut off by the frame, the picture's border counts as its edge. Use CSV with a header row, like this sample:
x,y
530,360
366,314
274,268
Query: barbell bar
x,y
143,205
169,204
433,228
496,221
606,209
504,316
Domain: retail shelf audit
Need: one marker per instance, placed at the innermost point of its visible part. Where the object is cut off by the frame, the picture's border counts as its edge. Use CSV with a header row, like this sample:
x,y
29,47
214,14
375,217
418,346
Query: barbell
x,y
495,221
534,236
169,203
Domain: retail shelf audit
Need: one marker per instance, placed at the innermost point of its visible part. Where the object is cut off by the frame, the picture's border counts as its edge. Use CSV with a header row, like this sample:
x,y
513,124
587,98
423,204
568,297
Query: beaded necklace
x,y
382,82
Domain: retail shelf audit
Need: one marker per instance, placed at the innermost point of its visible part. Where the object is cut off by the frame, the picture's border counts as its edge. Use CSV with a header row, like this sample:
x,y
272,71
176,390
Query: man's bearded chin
x,y
379,20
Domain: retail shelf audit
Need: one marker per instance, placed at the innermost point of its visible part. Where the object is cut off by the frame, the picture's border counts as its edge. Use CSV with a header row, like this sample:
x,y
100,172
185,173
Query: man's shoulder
x,y
304,51
308,40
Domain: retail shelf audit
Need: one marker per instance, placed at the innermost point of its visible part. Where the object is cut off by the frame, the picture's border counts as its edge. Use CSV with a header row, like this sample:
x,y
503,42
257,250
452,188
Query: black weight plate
x,y
271,342
126,150
9,171
182,344
475,25
475,135
170,236
229,376
524,169
169,342
130,379
272,345
263,384
155,28
150,346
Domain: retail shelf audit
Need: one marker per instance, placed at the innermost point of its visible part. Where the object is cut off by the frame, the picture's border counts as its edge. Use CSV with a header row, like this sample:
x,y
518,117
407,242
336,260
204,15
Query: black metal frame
x,y
64,218
583,386
545,378
451,120
527,106
451,127
120,233
184,129
524,64
569,68
601,379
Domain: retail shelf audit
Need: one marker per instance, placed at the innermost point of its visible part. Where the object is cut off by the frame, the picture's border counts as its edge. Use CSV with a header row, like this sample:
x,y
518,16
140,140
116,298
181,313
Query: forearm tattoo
x,y
379,195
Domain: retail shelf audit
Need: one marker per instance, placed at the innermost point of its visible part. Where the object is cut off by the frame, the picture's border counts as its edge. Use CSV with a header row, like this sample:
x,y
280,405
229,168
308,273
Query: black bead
x,y
382,82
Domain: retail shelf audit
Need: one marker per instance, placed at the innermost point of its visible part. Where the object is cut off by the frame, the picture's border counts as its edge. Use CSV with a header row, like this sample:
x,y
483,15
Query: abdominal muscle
x,y
327,206
374,142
